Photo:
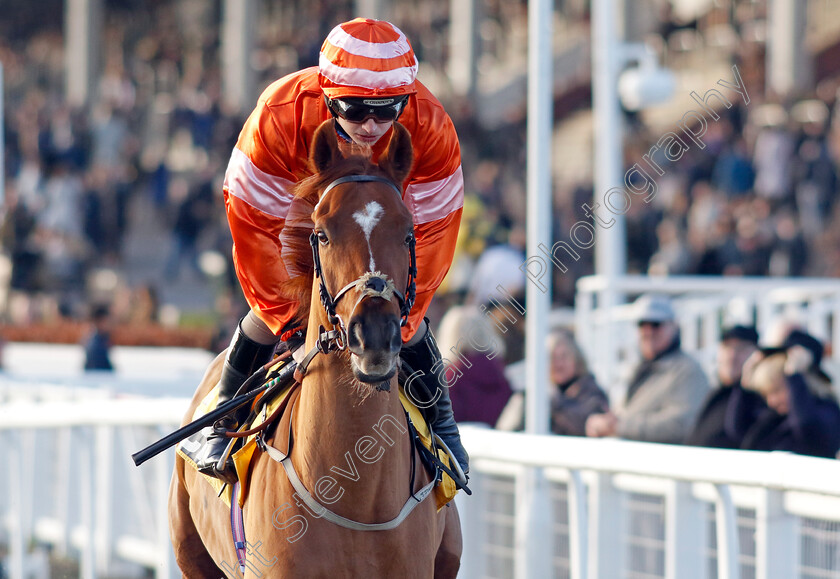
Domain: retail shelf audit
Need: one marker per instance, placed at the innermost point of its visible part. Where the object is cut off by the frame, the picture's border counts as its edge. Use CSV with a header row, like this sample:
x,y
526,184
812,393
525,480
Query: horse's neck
x,y
361,442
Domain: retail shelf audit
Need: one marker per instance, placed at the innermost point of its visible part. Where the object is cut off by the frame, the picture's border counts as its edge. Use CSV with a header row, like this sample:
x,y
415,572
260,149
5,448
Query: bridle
x,y
371,284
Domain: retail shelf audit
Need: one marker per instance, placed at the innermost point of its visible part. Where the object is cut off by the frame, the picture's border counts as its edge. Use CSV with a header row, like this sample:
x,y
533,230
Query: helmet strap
x,y
328,102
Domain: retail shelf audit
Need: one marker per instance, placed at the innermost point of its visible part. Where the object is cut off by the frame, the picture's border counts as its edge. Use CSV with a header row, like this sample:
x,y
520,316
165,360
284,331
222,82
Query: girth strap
x,y
323,512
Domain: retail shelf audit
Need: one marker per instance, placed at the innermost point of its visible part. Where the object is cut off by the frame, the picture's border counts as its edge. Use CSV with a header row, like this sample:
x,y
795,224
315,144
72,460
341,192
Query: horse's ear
x,y
398,157
324,151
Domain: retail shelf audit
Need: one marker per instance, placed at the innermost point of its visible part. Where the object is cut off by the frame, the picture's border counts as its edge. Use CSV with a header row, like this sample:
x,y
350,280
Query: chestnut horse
x,y
352,448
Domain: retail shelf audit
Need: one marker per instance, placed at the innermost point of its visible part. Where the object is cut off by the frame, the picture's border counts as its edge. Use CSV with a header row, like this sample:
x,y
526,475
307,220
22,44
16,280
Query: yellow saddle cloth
x,y
444,491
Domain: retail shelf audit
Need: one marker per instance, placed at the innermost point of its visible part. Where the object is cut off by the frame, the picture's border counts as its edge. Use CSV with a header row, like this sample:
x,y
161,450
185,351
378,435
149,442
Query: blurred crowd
x,y
769,393
157,134
757,200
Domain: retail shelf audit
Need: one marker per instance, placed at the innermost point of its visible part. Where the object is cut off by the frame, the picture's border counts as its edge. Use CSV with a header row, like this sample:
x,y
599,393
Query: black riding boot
x,y
424,355
243,358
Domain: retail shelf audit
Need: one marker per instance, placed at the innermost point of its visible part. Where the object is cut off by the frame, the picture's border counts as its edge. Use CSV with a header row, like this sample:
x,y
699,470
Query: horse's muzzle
x,y
374,339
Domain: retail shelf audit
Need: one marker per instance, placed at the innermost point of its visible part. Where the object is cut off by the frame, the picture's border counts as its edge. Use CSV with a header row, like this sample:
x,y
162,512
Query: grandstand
x,y
118,121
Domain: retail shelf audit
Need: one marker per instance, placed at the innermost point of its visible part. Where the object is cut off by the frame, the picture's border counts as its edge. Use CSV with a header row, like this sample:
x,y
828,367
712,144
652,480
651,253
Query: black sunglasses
x,y
654,325
359,110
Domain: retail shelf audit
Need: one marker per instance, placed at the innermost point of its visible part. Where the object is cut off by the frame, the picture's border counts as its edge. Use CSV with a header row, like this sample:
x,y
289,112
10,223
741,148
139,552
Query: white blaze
x,y
367,220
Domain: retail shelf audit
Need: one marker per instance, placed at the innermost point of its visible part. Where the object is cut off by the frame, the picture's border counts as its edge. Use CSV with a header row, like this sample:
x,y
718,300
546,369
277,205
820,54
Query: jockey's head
x,y
366,71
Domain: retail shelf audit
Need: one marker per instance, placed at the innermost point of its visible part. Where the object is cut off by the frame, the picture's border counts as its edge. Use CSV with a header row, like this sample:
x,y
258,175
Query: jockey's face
x,y
367,132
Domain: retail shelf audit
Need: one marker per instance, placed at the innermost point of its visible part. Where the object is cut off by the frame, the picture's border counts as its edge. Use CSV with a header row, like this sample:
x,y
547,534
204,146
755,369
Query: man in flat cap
x,y
667,388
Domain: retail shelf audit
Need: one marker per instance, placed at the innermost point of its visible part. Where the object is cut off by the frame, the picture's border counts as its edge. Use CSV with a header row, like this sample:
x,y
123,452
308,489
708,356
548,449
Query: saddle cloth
x,y
444,491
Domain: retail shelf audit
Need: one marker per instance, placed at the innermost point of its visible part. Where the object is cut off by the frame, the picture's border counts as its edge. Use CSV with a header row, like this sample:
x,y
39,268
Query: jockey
x,y
365,80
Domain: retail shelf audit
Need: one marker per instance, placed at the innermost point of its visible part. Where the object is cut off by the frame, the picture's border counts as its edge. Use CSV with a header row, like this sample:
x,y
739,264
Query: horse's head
x,y
363,248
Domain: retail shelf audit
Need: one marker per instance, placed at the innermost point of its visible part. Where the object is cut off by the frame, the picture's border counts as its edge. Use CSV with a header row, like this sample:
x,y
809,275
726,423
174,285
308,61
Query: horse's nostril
x,y
376,284
354,335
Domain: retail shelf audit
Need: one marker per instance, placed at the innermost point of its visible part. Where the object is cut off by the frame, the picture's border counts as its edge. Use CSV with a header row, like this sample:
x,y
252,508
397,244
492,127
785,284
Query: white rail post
x,y
776,539
533,536
469,511
104,444
87,568
606,527
685,533
16,538
62,487
727,534
27,477
578,527
167,567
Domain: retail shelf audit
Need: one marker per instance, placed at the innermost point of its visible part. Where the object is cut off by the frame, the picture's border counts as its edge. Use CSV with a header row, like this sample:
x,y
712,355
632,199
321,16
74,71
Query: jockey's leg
x,y
424,356
247,352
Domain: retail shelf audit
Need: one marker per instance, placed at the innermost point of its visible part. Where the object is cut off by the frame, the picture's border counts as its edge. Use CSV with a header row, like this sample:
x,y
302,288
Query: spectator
x,y
789,255
98,341
736,345
667,388
499,265
575,395
802,414
474,355
194,213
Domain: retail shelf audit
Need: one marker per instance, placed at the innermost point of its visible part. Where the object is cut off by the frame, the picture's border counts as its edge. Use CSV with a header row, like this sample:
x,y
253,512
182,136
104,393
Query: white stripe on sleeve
x,y
269,193
436,200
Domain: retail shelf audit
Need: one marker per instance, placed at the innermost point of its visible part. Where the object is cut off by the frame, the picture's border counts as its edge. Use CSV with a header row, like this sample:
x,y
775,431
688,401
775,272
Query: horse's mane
x,y
296,250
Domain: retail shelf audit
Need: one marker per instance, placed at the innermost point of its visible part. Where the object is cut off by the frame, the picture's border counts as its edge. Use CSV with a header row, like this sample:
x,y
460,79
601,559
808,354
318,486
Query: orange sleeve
x,y
269,158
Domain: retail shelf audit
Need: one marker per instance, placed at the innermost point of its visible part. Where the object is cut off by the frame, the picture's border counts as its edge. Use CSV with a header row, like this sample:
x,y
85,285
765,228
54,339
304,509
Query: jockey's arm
x,y
418,335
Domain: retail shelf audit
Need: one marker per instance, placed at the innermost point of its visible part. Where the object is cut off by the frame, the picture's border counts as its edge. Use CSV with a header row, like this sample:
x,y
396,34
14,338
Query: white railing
x,y
616,509
703,304
602,509
68,481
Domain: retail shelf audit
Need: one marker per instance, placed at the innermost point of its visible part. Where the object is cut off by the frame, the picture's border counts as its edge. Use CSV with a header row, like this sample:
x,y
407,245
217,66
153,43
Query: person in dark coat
x,y
575,395
473,354
98,342
737,344
802,413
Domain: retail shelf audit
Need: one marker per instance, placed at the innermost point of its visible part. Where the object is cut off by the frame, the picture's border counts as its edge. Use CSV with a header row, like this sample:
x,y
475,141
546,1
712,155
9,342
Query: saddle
x,y
277,409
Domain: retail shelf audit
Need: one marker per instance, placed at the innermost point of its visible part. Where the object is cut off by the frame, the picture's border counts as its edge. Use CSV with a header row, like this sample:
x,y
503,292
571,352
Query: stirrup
x,y
224,469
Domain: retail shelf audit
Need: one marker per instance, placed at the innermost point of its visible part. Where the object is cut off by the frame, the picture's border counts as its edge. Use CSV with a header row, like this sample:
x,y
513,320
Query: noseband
x,y
370,284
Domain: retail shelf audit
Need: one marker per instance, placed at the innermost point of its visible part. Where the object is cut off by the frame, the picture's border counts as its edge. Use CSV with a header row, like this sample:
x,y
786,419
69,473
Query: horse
x,y
352,448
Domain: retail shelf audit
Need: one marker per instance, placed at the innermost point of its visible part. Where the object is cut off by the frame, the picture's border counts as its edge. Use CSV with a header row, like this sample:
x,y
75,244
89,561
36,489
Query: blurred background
x,y
120,117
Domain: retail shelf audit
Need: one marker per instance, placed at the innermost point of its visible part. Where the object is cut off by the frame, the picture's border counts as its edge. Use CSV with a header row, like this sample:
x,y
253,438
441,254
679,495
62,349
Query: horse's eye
x,y
322,237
